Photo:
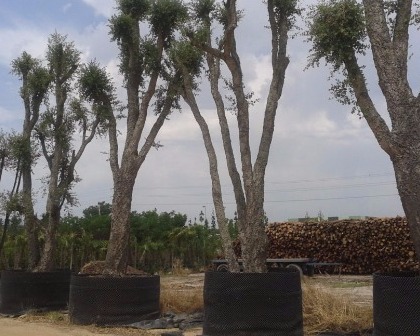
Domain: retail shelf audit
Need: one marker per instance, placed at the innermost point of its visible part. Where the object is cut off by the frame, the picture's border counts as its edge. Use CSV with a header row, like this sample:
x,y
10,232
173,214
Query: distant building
x,y
329,219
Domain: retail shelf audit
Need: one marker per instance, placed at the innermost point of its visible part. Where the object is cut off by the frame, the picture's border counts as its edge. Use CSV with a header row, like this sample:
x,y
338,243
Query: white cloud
x,y
261,66
8,117
101,7
317,125
67,6
15,41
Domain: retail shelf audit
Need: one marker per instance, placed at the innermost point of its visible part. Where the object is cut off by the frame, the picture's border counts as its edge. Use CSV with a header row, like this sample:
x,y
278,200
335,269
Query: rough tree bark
x,y
249,192
229,252
124,178
140,77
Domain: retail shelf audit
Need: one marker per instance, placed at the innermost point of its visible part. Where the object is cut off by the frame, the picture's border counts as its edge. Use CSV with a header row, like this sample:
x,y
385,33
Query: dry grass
x,y
178,268
181,300
54,317
323,311
62,319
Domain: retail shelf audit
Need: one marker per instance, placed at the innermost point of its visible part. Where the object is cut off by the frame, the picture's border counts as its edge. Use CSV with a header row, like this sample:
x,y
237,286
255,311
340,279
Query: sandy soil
x,y
26,327
358,287
20,327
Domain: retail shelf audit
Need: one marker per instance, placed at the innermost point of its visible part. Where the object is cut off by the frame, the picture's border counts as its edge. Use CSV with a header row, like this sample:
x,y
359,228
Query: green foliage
x,y
157,239
124,29
337,31
39,82
286,9
151,225
49,133
62,56
95,84
187,56
121,27
35,78
102,208
203,9
22,151
166,16
138,9
22,65
78,112
150,55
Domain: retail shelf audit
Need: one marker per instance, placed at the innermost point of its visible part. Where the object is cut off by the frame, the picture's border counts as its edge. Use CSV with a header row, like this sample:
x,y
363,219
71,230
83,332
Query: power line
x,y
84,195
331,198
276,201
324,179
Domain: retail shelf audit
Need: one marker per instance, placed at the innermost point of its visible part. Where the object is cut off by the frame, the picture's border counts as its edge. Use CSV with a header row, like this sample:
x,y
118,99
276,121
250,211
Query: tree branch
x,y
189,97
279,61
68,75
213,64
48,157
85,142
167,108
390,57
401,36
376,123
145,101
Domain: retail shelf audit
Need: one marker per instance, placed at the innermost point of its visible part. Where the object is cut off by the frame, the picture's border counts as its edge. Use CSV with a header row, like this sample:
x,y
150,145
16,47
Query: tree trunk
x,y
116,257
4,233
47,262
31,221
254,242
407,172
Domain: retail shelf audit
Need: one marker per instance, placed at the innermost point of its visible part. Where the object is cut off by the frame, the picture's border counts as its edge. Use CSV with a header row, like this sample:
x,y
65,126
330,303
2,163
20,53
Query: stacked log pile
x,y
363,246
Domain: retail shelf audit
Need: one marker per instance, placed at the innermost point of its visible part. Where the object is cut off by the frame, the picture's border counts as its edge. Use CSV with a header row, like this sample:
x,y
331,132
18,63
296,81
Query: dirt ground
x,y
359,288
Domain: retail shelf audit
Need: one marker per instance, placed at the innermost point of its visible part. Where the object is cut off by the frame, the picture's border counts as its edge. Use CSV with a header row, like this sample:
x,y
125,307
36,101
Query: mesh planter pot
x,y
263,304
21,291
105,300
396,304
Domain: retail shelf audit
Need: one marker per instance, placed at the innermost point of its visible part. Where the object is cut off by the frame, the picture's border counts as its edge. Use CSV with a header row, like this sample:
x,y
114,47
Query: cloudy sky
x,y
322,158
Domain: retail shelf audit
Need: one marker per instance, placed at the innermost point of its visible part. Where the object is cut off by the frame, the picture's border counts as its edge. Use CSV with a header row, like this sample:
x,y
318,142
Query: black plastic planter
x,y
105,300
396,304
263,304
21,291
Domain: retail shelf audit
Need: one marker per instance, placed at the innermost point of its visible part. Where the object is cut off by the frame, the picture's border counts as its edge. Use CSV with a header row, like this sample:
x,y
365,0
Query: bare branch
x,y
166,110
390,57
145,101
48,157
189,97
373,118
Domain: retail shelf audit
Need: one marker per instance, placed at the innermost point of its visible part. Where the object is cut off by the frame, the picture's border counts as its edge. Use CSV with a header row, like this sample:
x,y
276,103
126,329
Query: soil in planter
x,y
21,291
